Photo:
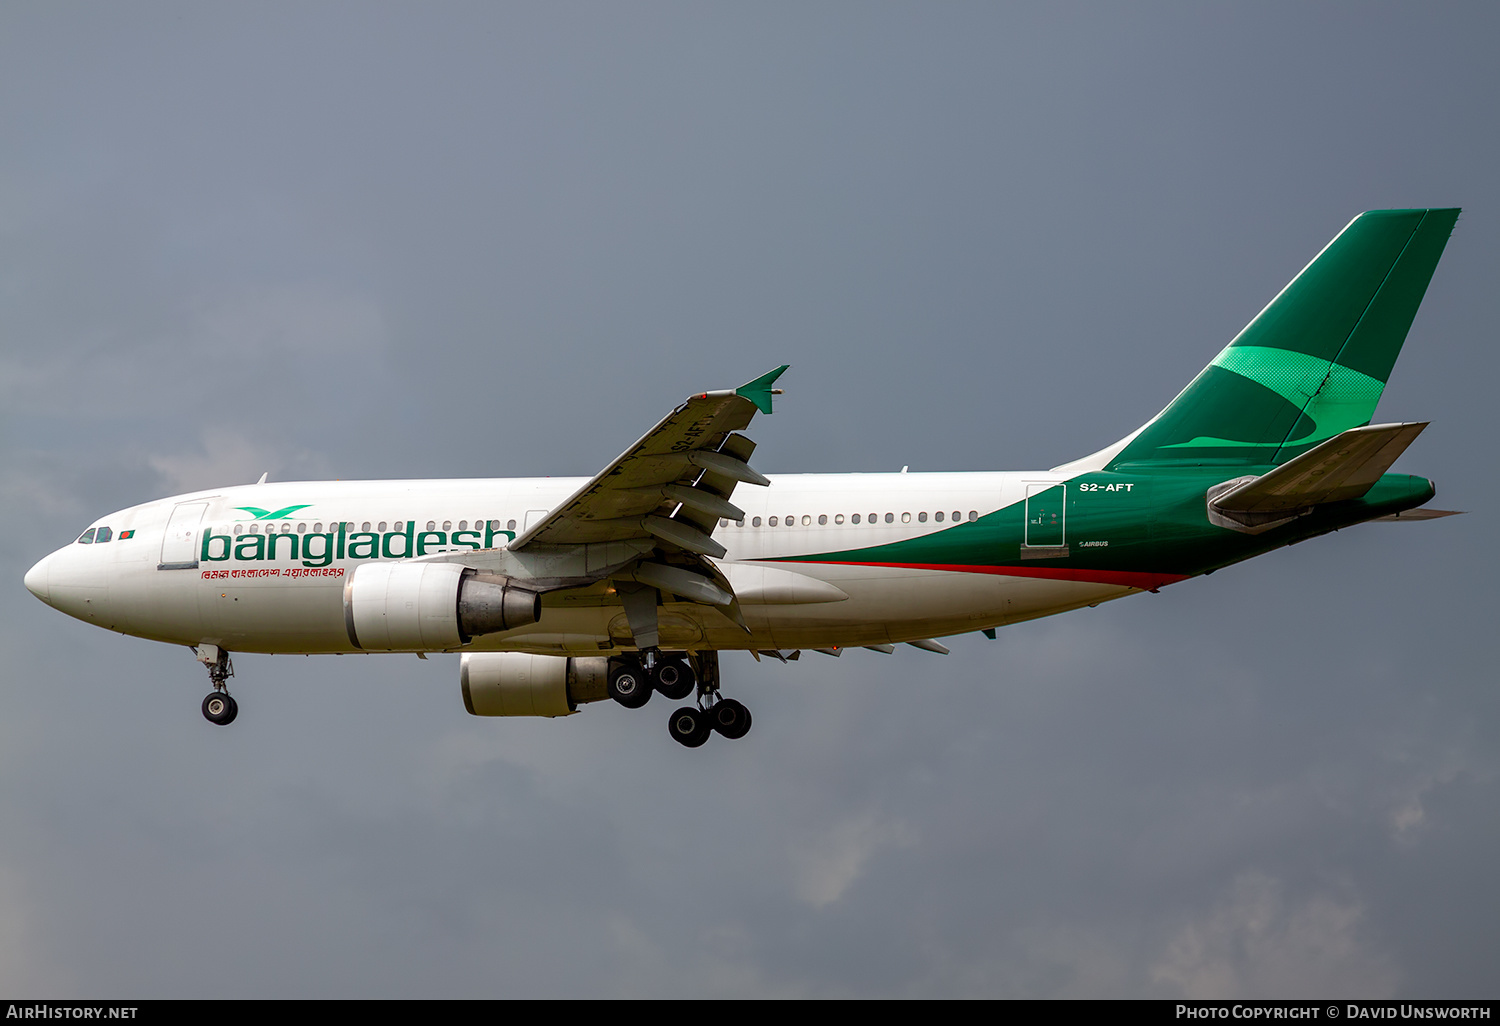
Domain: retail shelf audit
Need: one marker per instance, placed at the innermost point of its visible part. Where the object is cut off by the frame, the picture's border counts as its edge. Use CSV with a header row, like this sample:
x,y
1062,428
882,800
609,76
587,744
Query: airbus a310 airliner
x,y
560,592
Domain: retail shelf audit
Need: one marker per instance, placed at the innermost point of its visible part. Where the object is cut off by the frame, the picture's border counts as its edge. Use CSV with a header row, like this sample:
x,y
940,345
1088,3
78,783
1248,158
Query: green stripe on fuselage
x,y
1145,522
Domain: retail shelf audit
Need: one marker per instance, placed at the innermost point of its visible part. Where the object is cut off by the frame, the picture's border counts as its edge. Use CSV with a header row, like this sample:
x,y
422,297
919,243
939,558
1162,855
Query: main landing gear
x,y
632,680
219,707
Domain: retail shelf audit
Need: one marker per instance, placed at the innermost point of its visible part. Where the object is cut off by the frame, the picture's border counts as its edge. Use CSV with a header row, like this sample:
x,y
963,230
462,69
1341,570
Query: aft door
x,y
1046,516
179,546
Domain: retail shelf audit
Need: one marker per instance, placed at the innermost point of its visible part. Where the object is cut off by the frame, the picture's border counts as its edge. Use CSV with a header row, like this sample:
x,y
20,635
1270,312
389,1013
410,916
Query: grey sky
x,y
475,239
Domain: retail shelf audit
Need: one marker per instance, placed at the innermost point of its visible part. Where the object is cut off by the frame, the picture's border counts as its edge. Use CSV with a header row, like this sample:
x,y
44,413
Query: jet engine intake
x,y
520,684
426,607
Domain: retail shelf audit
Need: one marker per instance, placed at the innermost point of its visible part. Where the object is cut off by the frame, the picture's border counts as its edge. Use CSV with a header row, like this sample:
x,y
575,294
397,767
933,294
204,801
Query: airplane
x,y
560,592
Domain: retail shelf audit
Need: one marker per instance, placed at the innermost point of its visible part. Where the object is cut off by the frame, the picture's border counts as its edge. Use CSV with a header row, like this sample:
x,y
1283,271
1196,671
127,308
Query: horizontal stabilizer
x,y
1421,514
1344,467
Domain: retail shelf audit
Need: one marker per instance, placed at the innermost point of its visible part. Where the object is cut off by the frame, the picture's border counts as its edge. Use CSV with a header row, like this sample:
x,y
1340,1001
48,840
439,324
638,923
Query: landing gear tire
x,y
220,709
673,678
689,727
730,718
628,686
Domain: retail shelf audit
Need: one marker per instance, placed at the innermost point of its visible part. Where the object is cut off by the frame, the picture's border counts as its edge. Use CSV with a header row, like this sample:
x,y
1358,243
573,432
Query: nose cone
x,y
36,580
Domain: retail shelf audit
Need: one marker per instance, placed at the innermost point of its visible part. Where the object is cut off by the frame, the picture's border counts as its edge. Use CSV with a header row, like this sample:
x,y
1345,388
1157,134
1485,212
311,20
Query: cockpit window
x,y
103,535
87,537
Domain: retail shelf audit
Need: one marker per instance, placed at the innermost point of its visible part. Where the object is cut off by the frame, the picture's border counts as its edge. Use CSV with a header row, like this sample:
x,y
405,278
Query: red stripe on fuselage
x,y
1123,578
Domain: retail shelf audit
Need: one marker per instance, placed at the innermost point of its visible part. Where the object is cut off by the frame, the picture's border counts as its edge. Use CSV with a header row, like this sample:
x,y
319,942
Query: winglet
x,y
760,391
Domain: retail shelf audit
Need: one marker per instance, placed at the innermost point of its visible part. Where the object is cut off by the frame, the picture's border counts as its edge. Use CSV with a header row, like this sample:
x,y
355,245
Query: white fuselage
x,y
201,568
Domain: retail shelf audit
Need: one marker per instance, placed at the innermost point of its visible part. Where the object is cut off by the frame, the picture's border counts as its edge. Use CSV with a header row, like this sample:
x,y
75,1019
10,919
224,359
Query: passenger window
x,y
103,535
854,519
510,525
890,518
463,525
400,524
921,518
239,528
301,528
806,520
874,517
771,522
740,522
87,537
366,526
906,518
723,521
447,525
938,516
957,516
432,525
755,522
973,514
838,518
822,518
318,527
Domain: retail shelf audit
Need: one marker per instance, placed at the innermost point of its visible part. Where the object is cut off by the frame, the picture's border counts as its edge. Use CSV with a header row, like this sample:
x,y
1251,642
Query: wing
x,y
646,521
669,488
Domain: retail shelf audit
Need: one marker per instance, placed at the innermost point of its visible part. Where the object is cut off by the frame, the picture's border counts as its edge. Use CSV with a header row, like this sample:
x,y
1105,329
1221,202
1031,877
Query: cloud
x,y
828,864
22,969
305,321
1256,943
225,457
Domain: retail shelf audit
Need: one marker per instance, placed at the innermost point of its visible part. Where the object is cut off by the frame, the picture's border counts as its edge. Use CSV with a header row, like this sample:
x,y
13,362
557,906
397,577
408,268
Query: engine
x,y
519,684
426,607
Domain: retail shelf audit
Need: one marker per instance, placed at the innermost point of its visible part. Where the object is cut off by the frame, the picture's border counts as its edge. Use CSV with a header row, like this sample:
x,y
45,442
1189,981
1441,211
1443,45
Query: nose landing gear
x,y
219,707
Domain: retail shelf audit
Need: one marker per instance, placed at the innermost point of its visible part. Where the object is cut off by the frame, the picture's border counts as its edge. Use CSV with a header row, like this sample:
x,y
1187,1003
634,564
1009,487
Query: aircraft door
x,y
179,548
1046,516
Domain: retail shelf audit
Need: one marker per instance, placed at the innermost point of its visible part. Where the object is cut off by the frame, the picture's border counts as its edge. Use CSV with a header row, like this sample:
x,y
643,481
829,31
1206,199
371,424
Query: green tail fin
x,y
1314,362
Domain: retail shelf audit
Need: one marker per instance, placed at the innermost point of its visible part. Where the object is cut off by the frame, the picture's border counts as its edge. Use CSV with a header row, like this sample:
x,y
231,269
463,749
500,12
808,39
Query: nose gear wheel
x,y
219,706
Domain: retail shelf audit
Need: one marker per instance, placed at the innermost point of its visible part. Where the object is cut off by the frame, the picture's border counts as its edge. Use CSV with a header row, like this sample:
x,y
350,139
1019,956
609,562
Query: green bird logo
x,y
280,514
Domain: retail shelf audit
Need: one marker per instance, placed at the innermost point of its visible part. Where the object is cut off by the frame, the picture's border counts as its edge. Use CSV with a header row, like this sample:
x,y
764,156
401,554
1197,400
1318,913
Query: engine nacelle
x,y
519,684
426,607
